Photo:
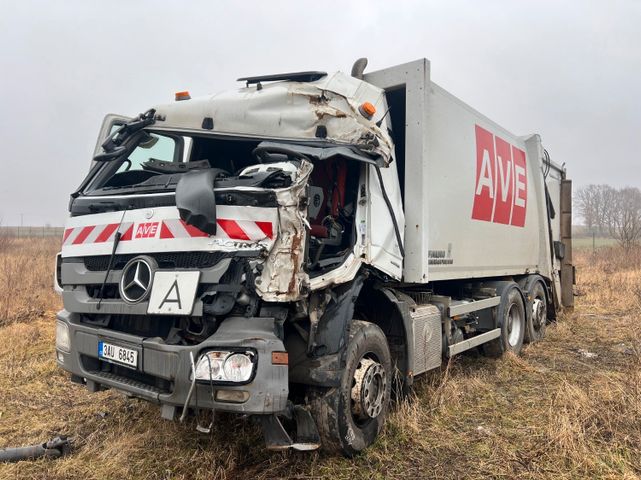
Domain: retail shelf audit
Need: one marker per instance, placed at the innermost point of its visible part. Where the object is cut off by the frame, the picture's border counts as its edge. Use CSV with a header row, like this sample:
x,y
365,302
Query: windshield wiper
x,y
113,145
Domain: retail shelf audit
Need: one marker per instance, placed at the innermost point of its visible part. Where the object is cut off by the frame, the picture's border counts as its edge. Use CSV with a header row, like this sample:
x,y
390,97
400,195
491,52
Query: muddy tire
x,y
512,322
537,319
350,417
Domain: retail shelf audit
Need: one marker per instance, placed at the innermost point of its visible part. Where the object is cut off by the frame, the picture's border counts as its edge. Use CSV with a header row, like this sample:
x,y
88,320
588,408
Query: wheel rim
x,y
538,313
514,326
368,390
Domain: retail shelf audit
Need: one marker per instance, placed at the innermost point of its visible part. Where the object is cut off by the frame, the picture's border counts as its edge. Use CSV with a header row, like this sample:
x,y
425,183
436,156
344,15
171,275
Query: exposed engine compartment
x,y
316,200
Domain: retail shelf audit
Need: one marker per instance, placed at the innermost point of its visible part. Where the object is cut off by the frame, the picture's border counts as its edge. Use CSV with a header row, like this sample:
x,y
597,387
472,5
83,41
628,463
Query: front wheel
x,y
350,417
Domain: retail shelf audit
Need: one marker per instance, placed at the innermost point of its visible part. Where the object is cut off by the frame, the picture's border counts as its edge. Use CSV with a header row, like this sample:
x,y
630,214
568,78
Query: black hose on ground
x,y
55,448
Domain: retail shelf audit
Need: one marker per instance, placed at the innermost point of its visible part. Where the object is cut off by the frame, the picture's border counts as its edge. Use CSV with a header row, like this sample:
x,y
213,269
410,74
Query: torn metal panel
x,y
341,274
282,278
290,110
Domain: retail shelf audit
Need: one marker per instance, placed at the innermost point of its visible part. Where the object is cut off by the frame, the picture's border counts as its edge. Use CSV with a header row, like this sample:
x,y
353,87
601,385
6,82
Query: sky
x,y
570,71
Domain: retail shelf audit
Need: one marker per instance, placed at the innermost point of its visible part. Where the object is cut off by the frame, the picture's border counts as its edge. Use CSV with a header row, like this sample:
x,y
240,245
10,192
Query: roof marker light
x,y
182,96
367,110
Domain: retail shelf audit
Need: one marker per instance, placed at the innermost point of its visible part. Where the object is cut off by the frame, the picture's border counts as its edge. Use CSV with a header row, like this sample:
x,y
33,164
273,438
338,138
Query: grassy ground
x,y
569,407
588,242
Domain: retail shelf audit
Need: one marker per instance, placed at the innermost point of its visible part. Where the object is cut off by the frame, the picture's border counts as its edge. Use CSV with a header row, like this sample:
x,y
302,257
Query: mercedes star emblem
x,y
135,283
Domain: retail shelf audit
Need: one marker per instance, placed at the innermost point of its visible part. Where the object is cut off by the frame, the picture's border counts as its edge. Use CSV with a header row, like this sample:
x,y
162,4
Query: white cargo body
x,y
474,196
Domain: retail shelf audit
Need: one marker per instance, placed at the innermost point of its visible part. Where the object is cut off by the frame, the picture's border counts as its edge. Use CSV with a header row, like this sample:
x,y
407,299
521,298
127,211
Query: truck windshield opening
x,y
155,161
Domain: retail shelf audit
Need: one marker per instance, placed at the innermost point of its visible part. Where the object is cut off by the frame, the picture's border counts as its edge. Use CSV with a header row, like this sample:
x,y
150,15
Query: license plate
x,y
118,354
173,293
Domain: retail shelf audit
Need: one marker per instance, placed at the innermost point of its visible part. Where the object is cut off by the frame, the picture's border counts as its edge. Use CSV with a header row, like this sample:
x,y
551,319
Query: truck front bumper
x,y
163,374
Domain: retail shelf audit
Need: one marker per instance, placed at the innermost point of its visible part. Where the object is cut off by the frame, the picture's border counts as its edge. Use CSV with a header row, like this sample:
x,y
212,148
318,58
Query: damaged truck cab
x,y
296,248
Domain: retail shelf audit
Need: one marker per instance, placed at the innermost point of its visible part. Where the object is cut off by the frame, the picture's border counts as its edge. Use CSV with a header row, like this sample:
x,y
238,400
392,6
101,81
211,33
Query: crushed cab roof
x,y
288,110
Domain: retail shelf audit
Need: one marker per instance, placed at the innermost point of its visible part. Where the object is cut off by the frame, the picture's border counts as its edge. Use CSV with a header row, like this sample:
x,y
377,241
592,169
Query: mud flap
x,y
307,436
277,438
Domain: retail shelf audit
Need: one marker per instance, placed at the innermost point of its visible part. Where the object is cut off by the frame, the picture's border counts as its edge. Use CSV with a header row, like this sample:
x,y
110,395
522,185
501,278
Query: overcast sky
x,y
569,70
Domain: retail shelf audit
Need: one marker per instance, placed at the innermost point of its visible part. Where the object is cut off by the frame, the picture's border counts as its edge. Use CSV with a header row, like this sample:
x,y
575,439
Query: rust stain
x,y
336,113
296,242
317,99
322,101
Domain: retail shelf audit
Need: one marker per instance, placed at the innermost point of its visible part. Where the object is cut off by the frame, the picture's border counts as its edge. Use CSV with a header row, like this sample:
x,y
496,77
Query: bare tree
x,y
624,216
593,203
584,198
608,200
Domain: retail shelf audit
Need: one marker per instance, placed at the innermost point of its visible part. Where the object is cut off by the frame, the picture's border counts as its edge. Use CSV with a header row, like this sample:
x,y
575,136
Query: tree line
x,y
610,211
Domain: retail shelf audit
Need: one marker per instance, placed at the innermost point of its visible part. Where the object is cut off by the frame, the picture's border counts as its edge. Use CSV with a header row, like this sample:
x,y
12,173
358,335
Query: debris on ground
x,y
55,448
586,354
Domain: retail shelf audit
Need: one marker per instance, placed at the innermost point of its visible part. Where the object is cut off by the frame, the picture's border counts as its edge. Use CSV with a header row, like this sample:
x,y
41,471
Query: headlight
x,y
63,342
238,367
224,366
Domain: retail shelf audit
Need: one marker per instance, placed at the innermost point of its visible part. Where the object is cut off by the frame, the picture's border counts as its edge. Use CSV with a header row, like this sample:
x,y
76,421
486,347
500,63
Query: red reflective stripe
x,y
193,231
128,234
266,227
232,229
165,232
106,233
82,236
66,234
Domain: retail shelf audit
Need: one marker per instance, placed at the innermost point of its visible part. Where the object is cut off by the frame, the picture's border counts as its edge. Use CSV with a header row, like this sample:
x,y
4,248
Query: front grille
x,y
138,325
110,291
164,259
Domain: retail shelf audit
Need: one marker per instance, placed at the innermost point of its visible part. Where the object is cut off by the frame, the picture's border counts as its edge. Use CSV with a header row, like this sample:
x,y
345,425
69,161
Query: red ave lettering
x,y
500,195
146,230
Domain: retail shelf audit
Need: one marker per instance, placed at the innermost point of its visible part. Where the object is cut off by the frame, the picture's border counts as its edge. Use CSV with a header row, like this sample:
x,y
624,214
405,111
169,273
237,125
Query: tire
x,y
345,425
512,322
537,319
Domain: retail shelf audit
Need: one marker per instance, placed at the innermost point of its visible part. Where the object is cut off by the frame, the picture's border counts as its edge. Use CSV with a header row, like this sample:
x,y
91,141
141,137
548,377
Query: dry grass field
x,y
569,407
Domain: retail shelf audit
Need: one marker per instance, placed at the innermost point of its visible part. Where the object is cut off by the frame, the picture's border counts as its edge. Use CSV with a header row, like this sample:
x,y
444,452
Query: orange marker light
x,y
280,358
182,96
367,110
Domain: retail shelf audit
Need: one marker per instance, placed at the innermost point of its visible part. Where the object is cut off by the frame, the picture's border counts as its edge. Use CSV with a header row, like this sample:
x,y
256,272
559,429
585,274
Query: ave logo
x,y
146,230
500,194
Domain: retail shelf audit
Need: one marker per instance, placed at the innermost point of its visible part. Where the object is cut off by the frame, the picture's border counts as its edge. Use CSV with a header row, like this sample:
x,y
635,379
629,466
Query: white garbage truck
x,y
300,248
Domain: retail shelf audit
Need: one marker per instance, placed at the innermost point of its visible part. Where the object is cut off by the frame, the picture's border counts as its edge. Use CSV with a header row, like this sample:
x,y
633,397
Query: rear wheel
x,y
350,417
511,321
535,328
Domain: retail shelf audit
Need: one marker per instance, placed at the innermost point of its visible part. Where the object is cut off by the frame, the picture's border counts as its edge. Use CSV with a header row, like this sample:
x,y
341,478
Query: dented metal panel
x,y
289,110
